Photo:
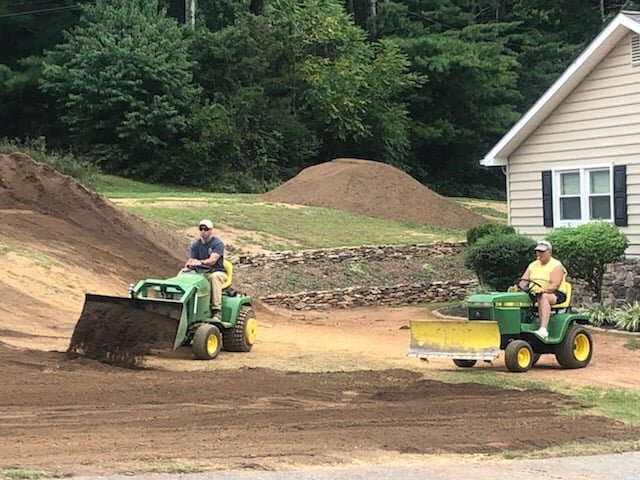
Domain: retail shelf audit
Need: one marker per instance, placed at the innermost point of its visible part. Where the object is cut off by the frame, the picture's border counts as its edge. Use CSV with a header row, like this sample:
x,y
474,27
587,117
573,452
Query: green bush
x,y
473,234
628,317
585,250
601,315
498,260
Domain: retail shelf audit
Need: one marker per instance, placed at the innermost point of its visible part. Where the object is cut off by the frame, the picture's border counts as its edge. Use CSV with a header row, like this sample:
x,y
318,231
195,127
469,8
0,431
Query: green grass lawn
x,y
299,227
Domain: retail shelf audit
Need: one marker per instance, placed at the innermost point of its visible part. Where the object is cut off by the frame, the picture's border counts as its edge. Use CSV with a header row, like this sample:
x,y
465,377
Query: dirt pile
x,y
373,189
42,208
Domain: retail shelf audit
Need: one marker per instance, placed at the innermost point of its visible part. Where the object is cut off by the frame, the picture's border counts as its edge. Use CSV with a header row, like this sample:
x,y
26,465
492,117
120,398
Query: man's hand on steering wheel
x,y
531,284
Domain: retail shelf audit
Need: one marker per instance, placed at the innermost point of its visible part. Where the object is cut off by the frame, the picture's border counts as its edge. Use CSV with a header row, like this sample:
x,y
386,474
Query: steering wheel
x,y
529,287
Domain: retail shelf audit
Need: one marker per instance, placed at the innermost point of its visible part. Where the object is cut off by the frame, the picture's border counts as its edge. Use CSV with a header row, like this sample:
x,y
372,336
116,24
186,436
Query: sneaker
x,y
542,333
217,315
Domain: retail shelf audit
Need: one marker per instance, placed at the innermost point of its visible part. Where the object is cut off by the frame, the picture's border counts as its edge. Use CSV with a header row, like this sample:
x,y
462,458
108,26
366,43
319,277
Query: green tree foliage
x,y
475,233
586,249
499,260
295,84
122,77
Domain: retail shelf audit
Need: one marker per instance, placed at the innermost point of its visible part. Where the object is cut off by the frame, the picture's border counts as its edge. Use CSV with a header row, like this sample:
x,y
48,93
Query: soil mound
x,y
374,189
41,207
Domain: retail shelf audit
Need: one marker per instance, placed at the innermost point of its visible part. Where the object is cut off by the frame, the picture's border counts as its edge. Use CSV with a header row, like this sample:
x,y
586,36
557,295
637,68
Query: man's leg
x,y
217,279
544,313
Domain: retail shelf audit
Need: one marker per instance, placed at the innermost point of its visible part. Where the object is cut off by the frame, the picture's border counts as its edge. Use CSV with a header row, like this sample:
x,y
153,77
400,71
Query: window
x,y
584,194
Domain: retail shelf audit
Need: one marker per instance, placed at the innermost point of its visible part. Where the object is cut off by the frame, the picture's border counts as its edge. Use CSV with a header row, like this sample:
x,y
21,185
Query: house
x,y
575,155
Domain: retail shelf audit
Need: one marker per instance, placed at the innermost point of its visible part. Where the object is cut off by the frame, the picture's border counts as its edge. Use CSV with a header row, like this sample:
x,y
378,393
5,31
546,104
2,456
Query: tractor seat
x,y
564,305
228,268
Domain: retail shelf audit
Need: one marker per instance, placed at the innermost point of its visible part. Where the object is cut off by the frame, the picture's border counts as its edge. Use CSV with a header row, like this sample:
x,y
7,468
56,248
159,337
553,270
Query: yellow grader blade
x,y
465,340
122,330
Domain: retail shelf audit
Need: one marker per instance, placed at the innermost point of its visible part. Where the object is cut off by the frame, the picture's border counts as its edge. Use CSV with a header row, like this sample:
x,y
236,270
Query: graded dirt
x,y
319,388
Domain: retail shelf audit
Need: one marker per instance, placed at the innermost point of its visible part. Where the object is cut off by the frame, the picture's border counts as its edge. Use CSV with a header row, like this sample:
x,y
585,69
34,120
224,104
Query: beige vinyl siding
x,y
597,124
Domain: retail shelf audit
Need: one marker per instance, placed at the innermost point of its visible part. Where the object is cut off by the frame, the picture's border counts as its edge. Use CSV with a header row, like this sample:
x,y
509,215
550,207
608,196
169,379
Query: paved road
x,y
624,466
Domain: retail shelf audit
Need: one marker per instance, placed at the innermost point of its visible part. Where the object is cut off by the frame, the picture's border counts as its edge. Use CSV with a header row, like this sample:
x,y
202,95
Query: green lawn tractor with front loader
x,y
505,321
164,314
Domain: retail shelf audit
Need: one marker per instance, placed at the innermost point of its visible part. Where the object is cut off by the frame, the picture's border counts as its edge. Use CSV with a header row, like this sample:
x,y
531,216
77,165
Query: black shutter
x,y
547,199
620,195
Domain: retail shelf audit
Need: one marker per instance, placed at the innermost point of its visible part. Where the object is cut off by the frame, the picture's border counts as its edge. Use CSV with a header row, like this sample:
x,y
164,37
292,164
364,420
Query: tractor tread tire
x,y
566,351
235,338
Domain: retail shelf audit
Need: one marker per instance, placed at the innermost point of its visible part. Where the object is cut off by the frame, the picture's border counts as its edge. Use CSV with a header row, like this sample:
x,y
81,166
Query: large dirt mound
x,y
43,208
373,189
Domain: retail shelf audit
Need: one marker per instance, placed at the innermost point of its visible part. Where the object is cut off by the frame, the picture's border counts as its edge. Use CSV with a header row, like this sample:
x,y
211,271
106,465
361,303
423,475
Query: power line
x,y
41,11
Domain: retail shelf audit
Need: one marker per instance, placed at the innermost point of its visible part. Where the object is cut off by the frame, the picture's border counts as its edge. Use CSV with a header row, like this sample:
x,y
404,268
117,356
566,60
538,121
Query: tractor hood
x,y
499,299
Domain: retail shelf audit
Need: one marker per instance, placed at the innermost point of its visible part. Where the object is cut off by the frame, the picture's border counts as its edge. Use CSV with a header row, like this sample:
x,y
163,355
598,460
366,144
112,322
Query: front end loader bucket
x,y
464,340
122,330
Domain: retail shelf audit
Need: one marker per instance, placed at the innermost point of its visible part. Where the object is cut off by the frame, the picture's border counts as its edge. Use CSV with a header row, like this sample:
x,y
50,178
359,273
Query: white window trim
x,y
584,193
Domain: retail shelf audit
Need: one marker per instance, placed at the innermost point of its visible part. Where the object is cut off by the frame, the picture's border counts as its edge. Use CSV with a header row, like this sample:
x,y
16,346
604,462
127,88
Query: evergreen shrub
x,y
499,260
473,234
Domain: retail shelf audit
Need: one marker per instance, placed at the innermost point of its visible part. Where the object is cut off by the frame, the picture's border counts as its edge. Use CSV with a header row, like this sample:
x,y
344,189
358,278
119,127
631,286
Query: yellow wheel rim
x,y
250,330
524,357
212,344
581,347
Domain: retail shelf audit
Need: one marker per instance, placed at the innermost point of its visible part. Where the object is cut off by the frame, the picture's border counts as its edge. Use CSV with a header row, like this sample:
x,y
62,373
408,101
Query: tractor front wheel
x,y
207,342
518,356
464,363
576,349
242,336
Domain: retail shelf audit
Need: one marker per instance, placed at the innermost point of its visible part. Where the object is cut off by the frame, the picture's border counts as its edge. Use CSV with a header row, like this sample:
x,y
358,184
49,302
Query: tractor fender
x,y
231,308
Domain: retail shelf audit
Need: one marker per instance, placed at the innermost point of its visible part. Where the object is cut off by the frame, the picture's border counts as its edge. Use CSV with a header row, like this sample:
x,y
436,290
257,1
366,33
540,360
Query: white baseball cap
x,y
543,246
206,223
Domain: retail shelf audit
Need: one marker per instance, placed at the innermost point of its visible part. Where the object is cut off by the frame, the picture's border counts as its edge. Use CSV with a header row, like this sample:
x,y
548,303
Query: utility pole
x,y
190,12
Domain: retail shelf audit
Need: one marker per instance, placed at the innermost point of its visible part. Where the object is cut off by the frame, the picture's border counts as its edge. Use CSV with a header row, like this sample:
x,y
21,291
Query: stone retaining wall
x,y
365,296
344,254
402,294
621,283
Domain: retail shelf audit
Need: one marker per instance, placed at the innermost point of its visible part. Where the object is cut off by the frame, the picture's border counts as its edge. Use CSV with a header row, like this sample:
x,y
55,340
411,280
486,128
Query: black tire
x,y
207,342
464,363
518,356
576,349
536,357
241,337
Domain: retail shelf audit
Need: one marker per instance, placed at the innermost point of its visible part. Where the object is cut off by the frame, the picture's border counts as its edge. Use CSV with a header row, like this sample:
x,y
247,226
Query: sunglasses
x,y
204,229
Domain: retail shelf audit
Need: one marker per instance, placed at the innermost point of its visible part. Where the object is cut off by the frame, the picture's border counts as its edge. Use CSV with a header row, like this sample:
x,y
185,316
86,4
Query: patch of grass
x,y
633,344
618,404
26,474
175,467
307,227
118,187
575,449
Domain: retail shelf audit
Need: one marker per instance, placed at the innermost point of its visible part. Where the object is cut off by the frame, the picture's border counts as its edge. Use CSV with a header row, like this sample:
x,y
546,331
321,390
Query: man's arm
x,y
555,280
524,280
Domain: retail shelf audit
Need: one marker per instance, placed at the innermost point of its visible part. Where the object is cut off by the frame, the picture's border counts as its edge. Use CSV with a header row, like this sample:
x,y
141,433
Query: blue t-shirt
x,y
202,251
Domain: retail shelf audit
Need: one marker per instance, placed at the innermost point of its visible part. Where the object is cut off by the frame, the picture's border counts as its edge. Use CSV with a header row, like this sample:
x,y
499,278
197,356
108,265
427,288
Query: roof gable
x,y
608,38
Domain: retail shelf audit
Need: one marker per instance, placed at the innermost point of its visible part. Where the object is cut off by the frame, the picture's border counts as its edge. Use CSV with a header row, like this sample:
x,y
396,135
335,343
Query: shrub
x,y
473,234
498,260
628,317
601,315
585,250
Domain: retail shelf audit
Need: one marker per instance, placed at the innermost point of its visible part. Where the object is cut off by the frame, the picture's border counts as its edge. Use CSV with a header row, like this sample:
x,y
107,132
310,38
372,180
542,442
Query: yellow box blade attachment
x,y
465,340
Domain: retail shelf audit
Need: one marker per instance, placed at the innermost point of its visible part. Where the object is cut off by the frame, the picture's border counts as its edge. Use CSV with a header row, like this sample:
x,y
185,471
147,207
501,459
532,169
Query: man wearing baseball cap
x,y
546,277
206,255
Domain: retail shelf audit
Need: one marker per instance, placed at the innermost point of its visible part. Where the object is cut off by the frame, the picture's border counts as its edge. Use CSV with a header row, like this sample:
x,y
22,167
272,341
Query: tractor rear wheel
x,y
576,349
518,356
207,342
242,336
464,363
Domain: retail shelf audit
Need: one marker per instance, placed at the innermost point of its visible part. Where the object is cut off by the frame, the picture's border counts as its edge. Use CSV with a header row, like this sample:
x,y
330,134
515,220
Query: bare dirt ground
x,y
319,388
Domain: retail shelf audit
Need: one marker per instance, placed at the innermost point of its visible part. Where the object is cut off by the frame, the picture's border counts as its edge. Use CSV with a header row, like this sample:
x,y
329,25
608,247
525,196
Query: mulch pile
x,y
373,189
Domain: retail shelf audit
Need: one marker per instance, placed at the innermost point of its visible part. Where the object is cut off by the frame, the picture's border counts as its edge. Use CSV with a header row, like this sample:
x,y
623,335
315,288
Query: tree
x,y
123,80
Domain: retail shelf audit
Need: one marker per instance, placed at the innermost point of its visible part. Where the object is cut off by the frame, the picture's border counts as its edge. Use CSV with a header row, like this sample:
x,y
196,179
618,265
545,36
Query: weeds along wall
x,y
400,294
